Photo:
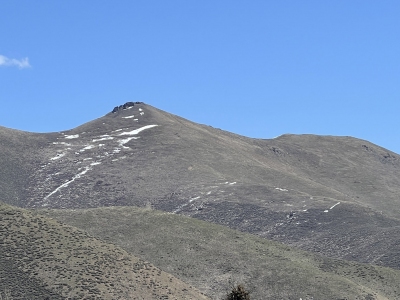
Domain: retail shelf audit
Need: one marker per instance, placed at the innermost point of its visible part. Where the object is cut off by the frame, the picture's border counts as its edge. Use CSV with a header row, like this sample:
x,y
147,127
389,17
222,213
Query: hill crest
x,y
287,189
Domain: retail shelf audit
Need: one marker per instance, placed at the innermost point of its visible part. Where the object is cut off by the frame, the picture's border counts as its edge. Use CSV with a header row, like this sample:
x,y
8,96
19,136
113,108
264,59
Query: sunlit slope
x,y
210,256
41,258
338,196
147,154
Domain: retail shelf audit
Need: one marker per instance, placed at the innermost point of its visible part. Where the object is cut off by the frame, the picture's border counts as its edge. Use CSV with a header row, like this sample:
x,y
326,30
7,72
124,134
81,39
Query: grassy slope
x,y
15,146
208,256
41,258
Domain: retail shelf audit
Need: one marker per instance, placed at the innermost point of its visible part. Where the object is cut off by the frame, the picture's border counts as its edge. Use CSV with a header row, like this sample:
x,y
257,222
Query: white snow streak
x,y
68,182
185,204
87,148
59,155
282,190
103,139
136,131
128,117
62,143
124,141
73,136
142,113
195,198
95,163
335,205
140,109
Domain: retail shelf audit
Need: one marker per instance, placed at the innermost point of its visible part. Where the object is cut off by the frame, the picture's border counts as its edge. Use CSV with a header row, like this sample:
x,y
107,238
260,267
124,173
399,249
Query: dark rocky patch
x,y
125,106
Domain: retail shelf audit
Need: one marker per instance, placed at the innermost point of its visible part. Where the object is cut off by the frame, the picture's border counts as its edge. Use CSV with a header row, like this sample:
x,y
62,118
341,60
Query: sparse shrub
x,y
238,293
6,295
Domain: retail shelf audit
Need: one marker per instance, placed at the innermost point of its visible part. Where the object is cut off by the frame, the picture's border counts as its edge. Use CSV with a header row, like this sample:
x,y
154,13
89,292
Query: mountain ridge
x,y
335,196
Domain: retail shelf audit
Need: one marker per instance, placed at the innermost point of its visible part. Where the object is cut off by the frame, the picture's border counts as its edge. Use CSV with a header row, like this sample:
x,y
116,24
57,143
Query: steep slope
x,y
334,195
41,258
209,256
19,155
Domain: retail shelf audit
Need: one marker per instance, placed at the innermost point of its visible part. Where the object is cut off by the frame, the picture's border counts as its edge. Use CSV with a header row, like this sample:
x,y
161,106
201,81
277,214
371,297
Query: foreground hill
x,y
41,258
210,256
337,196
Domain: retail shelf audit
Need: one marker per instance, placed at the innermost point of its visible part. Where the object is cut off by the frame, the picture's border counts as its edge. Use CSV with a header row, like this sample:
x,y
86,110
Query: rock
x,y
125,106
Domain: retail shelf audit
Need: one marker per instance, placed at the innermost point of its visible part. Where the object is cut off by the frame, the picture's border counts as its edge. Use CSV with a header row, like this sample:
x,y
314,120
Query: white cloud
x,y
12,62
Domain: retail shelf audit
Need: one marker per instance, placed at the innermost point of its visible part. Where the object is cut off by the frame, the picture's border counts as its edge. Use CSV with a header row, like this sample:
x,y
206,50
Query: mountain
x,y
334,196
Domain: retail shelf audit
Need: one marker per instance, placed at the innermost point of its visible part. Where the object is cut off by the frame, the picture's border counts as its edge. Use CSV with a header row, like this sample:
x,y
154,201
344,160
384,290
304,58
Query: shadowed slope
x,y
19,156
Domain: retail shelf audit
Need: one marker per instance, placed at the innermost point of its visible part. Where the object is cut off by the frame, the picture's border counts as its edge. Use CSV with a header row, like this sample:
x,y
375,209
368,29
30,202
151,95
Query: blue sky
x,y
256,68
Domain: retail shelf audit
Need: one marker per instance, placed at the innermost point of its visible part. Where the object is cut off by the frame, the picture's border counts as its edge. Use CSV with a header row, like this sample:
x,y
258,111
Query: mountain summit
x,y
337,196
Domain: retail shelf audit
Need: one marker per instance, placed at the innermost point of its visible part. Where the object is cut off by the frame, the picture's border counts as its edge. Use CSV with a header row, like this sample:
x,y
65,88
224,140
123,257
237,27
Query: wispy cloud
x,y
12,62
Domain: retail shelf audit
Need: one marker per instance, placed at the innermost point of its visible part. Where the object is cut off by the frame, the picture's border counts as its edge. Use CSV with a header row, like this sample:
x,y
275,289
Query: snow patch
x,y
62,143
185,204
136,131
73,136
326,210
59,155
142,113
128,117
195,198
103,139
232,183
121,143
140,109
87,148
95,163
282,190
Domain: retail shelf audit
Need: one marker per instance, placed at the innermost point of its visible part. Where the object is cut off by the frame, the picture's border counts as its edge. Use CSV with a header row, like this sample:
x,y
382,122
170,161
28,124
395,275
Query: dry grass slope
x,y
41,258
210,256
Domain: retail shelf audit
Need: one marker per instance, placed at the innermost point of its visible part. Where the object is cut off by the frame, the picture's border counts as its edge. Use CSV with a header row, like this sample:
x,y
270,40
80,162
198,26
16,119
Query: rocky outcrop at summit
x,y
125,106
